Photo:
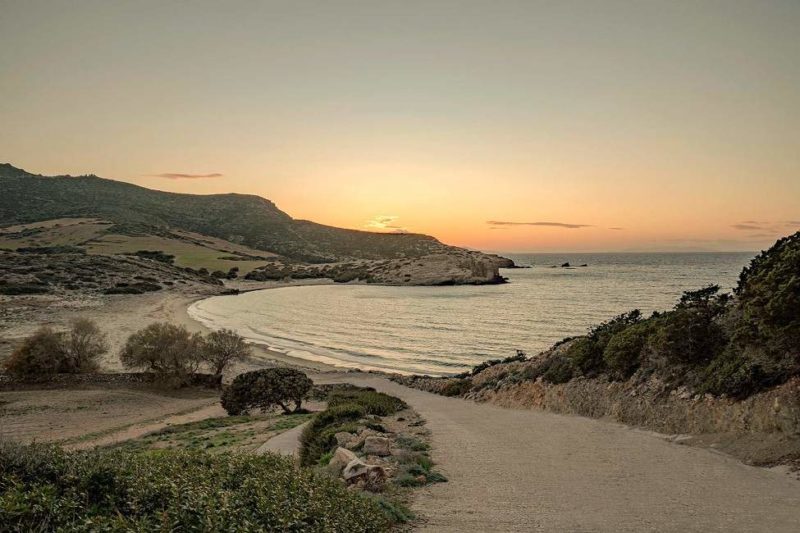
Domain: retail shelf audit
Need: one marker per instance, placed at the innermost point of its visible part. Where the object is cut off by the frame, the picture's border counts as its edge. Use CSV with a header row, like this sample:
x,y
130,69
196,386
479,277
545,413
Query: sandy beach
x,y
121,315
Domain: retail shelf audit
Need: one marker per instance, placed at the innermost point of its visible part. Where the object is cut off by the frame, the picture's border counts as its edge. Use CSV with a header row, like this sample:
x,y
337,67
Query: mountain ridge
x,y
240,218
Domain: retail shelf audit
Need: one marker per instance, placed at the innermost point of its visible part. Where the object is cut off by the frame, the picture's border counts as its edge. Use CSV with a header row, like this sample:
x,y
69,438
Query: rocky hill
x,y
238,218
229,235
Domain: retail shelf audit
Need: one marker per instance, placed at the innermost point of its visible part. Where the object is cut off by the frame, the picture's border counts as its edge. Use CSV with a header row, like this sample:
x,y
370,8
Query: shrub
x,y
374,403
223,347
623,353
23,288
165,349
520,356
456,387
769,299
265,389
50,352
690,334
84,344
557,370
41,353
155,255
45,489
318,436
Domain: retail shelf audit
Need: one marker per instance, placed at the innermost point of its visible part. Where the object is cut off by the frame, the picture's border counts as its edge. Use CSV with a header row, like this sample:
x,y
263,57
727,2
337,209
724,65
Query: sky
x,y
507,126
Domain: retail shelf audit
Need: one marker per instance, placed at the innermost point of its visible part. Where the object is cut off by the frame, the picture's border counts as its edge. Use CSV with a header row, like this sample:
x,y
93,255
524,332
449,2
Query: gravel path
x,y
286,443
521,470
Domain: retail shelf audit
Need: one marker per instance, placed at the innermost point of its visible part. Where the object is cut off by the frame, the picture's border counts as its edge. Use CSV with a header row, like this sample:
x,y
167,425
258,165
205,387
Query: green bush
x,y
557,370
318,437
45,489
769,300
265,389
623,353
456,387
691,333
373,403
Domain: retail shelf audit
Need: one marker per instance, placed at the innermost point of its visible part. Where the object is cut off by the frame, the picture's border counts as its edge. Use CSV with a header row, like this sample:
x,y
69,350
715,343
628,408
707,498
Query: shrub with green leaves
x,y
43,488
373,403
266,389
318,438
623,353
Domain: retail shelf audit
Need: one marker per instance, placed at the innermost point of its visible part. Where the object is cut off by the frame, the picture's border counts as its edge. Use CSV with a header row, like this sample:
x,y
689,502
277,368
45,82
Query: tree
x,y
265,389
165,349
41,353
83,346
223,347
54,352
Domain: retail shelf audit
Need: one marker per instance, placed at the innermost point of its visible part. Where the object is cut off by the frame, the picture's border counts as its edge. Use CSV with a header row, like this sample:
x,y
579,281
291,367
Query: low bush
x,y
49,352
373,403
45,489
623,353
266,389
456,387
318,437
16,289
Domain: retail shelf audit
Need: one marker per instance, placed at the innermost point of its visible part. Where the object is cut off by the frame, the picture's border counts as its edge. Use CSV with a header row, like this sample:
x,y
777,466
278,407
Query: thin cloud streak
x,y
549,224
385,222
748,227
179,176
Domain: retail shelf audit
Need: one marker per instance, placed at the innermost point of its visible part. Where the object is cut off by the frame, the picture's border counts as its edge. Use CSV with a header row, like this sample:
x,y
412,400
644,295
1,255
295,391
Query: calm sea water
x,y
441,330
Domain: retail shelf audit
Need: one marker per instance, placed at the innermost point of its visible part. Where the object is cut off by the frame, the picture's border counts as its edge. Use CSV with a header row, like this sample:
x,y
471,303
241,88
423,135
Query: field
x,y
97,237
84,417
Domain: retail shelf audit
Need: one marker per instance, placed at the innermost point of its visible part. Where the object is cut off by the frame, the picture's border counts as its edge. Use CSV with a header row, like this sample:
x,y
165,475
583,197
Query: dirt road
x,y
520,470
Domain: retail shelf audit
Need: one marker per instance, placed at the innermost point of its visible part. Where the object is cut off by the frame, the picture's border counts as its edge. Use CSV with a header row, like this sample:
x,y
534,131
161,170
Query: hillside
x,y
247,220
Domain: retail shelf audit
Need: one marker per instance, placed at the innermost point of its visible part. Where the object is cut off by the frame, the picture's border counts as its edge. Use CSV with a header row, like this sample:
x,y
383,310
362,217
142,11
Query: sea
x,y
446,330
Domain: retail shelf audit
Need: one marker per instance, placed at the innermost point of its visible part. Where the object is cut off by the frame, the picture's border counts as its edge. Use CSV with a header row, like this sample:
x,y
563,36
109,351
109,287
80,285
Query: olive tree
x,y
165,349
223,347
265,389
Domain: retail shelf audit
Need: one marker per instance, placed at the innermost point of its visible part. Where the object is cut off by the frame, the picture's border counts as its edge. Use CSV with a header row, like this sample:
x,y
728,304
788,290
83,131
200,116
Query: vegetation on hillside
x,y
43,488
346,405
242,219
723,344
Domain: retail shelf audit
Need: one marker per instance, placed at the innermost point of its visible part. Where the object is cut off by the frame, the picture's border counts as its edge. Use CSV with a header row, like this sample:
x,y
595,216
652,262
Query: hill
x,y
241,219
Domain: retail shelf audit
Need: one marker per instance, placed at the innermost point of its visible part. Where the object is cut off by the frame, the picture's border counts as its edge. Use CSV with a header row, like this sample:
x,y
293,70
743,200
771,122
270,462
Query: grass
x,y
217,434
110,431
187,253
43,488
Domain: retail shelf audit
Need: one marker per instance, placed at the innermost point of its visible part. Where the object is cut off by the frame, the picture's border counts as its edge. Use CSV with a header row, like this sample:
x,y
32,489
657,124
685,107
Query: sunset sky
x,y
507,126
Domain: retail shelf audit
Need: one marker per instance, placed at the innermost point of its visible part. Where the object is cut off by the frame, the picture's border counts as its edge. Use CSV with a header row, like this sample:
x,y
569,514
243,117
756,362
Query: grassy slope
x,y
243,219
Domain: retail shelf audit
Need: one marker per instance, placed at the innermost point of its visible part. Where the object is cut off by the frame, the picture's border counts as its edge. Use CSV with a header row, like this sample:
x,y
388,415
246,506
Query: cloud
x,y
385,222
550,224
762,235
615,228
178,176
792,223
748,227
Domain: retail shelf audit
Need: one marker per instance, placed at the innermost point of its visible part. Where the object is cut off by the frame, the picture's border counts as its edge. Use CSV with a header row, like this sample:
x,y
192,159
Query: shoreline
x,y
261,353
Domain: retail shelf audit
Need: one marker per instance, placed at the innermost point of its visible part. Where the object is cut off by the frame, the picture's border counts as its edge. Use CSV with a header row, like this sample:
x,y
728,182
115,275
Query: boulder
x,y
343,437
380,446
341,458
358,472
354,469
